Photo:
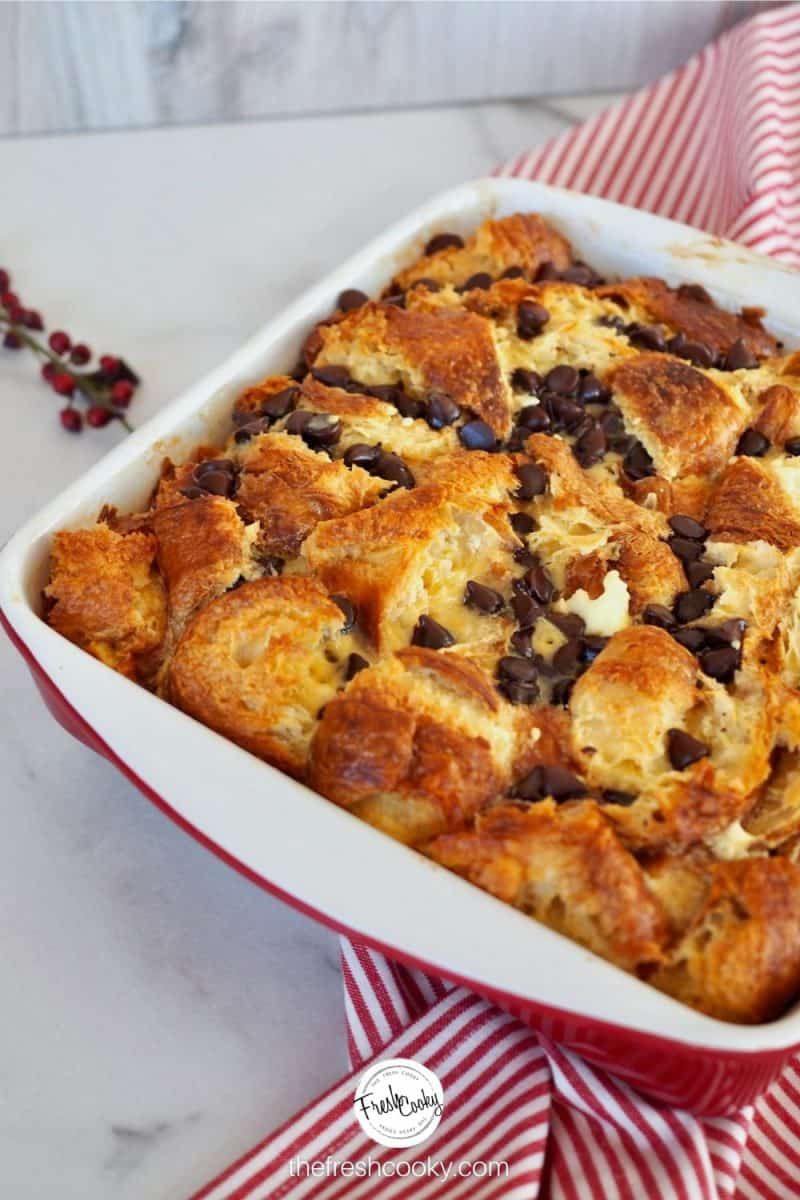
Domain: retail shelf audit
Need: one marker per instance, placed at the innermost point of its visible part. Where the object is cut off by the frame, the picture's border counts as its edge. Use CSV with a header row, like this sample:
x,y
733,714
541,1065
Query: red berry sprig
x,y
106,388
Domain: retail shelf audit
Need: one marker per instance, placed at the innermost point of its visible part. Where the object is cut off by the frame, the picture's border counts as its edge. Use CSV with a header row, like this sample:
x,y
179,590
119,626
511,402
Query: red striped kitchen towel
x,y
715,144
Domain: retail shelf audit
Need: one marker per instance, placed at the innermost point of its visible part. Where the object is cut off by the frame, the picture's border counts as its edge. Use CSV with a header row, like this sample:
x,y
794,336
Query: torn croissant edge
x,y
507,568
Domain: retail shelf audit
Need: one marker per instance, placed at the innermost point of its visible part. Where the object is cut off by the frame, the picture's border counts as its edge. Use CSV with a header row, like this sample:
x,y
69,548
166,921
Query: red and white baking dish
x,y
316,856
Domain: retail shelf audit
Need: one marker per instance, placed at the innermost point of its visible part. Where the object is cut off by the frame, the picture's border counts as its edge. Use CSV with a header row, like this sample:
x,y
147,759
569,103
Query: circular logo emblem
x,y
398,1102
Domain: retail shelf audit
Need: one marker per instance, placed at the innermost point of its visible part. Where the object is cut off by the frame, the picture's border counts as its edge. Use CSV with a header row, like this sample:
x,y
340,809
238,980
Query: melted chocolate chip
x,y
532,481
348,611
752,444
792,447
699,354
684,549
553,781
333,376
521,523
523,380
592,391
391,466
563,380
591,446
691,605
355,663
407,406
692,640
566,413
298,421
683,749
566,658
351,298
698,573
362,455
520,669
521,642
562,691
251,430
444,241
729,633
537,583
485,599
480,281
637,463
533,418
647,337
739,357
720,664
441,410
513,273
687,527
591,646
429,284
526,610
660,616
322,430
431,634
277,406
477,435
570,624
531,319
623,799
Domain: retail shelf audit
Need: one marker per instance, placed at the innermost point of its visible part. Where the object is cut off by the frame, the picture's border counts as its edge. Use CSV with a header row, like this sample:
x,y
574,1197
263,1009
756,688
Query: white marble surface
x,y
158,1013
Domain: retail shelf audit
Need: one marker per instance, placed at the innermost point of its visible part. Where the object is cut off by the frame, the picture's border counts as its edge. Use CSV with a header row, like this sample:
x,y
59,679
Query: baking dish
x,y
315,855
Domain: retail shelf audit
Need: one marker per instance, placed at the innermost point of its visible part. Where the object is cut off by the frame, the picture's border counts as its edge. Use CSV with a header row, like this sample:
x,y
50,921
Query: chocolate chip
x,y
519,693
441,410
523,380
322,430
591,446
591,646
687,527
752,444
792,447
623,799
563,380
280,403
251,430
660,616
521,642
513,273
611,321
692,640
720,664
241,416
298,421
677,345
568,414
740,357
592,391
532,481
691,605
524,556
337,377
565,659
570,624
520,669
193,492
684,548
611,423
485,599
389,393
554,781
562,691
531,319
348,609
526,610
547,271
730,632
694,291
355,663
391,466
477,435
211,465
521,523
362,455
699,354
647,337
431,634
480,281
217,483
397,299
622,443
407,406
683,749
351,298
429,284
443,241
698,572
537,583
637,463
581,274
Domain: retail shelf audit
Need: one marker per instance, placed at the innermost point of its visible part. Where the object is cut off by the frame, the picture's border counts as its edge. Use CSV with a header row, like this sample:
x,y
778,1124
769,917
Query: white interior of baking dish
x,y
284,832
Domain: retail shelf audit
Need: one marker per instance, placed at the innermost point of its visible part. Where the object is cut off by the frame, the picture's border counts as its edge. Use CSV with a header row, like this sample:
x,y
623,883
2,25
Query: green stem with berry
x,y
107,388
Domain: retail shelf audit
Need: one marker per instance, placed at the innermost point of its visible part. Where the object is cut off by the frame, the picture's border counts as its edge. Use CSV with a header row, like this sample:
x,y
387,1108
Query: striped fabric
x,y
715,144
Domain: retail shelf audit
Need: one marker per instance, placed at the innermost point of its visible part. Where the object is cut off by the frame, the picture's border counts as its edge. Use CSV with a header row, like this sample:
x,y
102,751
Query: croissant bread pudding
x,y
508,568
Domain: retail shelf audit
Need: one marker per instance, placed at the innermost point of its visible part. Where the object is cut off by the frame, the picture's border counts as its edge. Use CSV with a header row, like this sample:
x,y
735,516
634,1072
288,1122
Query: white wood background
x,y
68,65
